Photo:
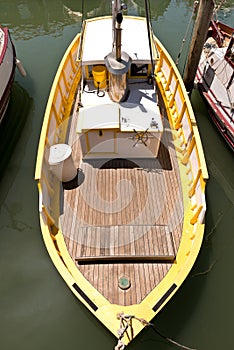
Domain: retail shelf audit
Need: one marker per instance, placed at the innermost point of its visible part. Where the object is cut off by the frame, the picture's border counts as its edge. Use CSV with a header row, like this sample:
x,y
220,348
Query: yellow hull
x,y
193,178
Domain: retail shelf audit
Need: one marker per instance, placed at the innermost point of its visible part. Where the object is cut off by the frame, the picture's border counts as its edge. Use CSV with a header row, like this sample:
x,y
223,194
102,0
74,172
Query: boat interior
x,y
123,213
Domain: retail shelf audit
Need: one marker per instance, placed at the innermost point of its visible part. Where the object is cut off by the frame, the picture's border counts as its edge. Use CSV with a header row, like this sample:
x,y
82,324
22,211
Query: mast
x,y
117,62
204,15
149,35
117,18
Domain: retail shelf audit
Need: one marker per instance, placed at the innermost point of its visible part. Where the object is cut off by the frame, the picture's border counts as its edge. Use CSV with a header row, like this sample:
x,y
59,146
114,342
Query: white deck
x,y
134,40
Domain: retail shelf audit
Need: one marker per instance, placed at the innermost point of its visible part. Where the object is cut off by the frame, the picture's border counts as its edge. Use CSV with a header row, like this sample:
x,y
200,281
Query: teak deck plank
x,y
103,229
139,273
159,236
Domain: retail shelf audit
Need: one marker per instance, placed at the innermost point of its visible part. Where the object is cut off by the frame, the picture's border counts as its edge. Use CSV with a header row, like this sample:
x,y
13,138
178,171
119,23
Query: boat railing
x,y
56,119
186,134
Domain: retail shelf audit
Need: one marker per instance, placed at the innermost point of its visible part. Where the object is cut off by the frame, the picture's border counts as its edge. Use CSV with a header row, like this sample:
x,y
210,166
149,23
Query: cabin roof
x,y
97,41
126,117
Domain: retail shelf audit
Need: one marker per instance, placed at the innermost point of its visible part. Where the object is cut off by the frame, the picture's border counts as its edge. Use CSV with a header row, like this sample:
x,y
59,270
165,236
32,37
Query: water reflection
x,y
29,19
19,108
13,123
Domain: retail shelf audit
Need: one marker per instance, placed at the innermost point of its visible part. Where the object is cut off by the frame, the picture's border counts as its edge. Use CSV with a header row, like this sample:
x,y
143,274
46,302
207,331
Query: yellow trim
x,y
172,100
189,150
196,215
181,115
169,79
40,153
169,101
194,184
87,142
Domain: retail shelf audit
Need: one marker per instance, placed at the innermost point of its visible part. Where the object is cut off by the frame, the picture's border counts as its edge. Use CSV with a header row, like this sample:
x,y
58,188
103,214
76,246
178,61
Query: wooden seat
x,y
139,243
125,259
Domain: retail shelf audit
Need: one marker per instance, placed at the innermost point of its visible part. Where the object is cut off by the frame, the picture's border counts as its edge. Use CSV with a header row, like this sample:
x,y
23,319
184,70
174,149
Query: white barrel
x,y
61,162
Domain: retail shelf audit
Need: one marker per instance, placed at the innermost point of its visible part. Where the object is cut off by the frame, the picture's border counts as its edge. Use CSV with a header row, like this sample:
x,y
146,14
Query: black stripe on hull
x,y
84,296
164,297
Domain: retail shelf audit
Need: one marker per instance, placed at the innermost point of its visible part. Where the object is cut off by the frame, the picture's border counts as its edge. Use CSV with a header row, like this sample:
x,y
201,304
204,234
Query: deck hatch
x,y
85,297
164,297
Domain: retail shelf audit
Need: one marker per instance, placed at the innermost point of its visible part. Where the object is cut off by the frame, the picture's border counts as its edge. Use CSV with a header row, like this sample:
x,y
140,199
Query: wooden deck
x,y
121,243
119,214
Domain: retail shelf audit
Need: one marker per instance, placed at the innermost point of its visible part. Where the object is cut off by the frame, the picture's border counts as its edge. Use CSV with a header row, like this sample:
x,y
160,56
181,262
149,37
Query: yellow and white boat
x,y
121,173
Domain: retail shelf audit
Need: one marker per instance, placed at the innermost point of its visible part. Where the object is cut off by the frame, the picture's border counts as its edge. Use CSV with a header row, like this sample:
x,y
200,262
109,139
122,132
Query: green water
x,y
37,310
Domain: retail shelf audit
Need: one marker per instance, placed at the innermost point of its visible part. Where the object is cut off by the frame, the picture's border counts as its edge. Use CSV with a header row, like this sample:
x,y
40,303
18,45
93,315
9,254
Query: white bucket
x,y
61,162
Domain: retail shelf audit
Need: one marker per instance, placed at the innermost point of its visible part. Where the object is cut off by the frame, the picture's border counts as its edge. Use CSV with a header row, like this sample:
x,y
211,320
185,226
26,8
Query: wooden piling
x,y
204,15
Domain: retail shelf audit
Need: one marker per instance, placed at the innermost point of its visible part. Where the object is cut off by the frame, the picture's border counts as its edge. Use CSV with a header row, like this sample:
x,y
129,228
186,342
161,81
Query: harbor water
x,y
37,310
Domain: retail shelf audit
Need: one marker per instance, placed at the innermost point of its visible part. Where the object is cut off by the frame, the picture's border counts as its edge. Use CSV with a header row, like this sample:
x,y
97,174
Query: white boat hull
x,y
7,69
215,78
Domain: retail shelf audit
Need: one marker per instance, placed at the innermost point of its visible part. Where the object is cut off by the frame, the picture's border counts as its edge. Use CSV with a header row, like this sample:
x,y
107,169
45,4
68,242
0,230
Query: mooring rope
x,y
218,7
169,339
126,322
148,16
187,30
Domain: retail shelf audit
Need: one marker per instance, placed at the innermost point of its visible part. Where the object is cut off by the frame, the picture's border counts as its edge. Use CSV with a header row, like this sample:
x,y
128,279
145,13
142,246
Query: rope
x,y
82,10
146,324
147,10
217,8
120,345
126,321
169,339
187,30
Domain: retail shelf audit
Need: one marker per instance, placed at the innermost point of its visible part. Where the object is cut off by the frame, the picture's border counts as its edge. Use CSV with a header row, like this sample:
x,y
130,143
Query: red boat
x,y
215,78
7,68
